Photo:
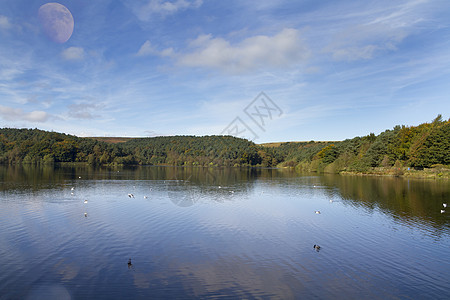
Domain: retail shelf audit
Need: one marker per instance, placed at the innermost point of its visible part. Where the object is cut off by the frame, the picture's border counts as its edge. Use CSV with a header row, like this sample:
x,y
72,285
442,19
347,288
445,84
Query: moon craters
x,y
57,22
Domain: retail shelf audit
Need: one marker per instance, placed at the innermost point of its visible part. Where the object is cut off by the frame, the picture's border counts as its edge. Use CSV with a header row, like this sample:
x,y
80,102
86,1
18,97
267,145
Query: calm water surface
x,y
220,233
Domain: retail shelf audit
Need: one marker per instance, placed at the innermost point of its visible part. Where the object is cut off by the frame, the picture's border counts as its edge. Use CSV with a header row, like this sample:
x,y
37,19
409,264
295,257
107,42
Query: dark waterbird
x,y
316,247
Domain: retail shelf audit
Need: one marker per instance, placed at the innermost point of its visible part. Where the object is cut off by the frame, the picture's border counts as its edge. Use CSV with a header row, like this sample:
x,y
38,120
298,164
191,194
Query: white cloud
x,y
10,73
365,41
164,8
36,116
85,110
17,114
377,29
281,50
4,23
148,49
73,53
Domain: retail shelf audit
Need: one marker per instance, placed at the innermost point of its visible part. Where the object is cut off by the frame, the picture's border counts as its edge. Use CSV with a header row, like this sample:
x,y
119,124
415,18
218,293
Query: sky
x,y
268,71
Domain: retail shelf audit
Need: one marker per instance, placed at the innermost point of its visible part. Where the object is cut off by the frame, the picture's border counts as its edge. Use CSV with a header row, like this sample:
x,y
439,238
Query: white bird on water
x,y
317,212
442,211
444,205
85,201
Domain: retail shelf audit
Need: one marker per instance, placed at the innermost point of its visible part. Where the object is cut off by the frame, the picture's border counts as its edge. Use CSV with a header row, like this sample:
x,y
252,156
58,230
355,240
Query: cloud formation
x,y
376,30
84,111
148,49
365,41
391,53
73,53
17,114
164,8
281,50
4,23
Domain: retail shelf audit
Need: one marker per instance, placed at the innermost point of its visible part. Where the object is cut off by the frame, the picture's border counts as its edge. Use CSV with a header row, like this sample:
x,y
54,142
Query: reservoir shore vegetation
x,y
413,151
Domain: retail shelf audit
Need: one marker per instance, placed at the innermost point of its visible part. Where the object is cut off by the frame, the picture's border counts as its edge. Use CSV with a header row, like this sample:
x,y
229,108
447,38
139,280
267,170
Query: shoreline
x,y
415,175
440,172
427,173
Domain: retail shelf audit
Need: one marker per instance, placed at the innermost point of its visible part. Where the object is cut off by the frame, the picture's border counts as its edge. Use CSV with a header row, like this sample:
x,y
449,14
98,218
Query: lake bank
x,y
427,173
432,173
438,172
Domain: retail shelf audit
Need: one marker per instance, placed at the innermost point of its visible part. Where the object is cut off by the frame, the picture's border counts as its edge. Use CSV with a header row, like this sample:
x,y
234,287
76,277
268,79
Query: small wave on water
x,y
45,292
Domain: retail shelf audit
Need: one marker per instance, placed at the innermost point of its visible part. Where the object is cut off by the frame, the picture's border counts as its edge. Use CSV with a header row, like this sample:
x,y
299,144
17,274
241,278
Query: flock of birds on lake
x,y
317,212
130,195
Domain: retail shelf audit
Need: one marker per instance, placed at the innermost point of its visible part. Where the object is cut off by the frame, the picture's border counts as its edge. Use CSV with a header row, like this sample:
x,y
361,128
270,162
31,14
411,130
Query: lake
x,y
190,233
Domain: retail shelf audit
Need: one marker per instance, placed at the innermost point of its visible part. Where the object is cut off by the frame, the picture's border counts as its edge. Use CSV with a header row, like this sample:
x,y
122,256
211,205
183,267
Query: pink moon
x,y
57,22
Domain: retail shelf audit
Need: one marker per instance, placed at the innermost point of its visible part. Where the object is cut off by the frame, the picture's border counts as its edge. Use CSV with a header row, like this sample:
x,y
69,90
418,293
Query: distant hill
x,y
278,144
111,140
423,146
33,146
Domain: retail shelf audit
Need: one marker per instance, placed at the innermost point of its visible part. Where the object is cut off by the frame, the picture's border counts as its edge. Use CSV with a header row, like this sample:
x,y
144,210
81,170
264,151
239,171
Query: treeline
x,y
203,151
33,146
418,147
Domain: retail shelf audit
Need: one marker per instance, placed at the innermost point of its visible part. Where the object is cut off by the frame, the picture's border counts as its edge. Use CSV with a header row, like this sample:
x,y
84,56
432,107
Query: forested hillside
x,y
41,147
418,147
422,146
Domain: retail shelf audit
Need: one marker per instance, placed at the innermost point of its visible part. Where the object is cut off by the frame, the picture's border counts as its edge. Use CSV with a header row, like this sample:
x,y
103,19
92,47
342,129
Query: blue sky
x,y
332,69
